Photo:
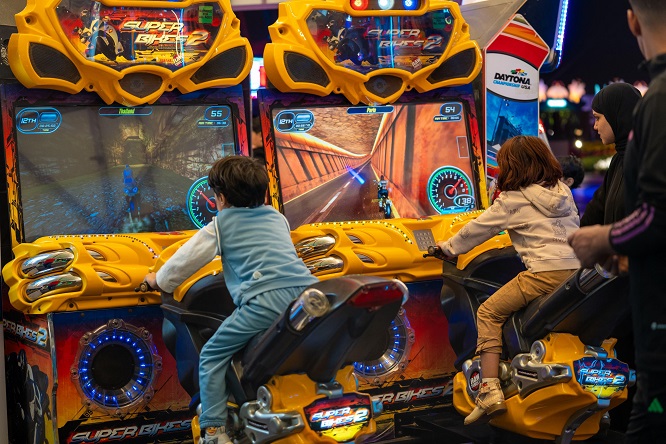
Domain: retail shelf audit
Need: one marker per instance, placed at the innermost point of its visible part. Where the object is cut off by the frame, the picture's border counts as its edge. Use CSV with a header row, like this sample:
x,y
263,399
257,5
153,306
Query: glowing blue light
x,y
142,356
410,5
385,4
556,103
561,26
355,175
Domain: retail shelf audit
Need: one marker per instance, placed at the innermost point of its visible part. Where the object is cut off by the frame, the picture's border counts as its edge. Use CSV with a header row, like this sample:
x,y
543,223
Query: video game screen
x,y
337,162
95,168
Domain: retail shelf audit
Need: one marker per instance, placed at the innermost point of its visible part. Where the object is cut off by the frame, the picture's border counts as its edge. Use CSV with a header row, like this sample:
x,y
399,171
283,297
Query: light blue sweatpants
x,y
233,334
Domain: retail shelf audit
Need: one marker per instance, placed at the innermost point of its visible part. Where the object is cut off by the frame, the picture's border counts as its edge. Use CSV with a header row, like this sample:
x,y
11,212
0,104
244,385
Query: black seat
x,y
319,350
328,343
587,305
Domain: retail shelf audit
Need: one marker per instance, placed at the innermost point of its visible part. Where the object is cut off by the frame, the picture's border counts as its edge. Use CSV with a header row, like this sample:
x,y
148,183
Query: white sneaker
x,y
215,435
489,402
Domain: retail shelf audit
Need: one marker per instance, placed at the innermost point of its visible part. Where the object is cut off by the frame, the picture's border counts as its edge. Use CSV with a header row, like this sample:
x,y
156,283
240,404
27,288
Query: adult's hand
x,y
591,244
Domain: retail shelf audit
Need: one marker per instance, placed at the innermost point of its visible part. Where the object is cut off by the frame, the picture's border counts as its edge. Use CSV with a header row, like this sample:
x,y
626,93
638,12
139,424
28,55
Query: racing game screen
x,y
340,163
109,169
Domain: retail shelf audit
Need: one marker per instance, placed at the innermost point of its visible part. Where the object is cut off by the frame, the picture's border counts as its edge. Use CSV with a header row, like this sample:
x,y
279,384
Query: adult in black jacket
x,y
612,109
642,234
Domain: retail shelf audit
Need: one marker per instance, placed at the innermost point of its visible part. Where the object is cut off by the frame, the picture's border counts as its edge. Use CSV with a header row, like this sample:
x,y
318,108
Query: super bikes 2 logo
x,y
344,416
155,33
40,336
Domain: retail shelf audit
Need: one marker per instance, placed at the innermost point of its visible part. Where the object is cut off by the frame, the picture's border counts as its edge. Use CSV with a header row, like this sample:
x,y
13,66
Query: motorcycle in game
x,y
294,383
559,371
383,197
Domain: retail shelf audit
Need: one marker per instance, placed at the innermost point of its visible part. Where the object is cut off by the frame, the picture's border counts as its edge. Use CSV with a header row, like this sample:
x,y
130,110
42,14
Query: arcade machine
x,y
106,166
379,104
383,92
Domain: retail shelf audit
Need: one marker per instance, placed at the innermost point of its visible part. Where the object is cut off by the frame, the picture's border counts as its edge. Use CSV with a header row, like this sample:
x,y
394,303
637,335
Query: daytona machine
x,y
102,177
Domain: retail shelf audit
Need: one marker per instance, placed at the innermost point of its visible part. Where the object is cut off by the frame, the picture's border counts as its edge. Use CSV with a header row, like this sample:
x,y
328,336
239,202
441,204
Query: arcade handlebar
x,y
144,287
436,252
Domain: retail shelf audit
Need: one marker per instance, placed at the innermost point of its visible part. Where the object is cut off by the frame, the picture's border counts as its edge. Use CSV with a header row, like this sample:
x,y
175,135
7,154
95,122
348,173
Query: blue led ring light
x,y
400,338
116,367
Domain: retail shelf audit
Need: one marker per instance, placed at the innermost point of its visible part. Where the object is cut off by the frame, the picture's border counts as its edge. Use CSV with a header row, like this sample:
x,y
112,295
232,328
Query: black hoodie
x,y
616,102
642,234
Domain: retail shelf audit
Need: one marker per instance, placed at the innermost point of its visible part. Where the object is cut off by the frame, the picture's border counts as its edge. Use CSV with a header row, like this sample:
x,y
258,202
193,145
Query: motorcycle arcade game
x,y
99,182
409,115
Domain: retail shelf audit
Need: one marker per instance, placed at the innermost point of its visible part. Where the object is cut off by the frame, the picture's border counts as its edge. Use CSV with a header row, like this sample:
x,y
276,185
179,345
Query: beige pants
x,y
513,296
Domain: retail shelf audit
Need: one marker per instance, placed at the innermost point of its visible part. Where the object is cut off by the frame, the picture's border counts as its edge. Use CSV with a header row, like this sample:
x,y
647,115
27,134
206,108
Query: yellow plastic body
x,y
38,23
287,36
126,257
292,393
544,413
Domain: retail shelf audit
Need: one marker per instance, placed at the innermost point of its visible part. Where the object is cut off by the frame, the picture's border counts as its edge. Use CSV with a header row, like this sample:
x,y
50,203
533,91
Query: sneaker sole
x,y
491,412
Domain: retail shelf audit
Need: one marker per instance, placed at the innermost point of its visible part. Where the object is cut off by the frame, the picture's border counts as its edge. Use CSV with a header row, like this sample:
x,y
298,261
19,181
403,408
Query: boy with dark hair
x,y
261,269
642,234
573,172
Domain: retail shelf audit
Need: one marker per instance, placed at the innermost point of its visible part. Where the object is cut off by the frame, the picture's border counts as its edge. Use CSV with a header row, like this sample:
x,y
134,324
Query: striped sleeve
x,y
643,231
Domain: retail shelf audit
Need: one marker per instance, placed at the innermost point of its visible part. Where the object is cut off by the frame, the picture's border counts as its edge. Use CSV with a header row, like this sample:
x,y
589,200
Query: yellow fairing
x,y
41,44
104,270
291,393
294,52
111,266
544,413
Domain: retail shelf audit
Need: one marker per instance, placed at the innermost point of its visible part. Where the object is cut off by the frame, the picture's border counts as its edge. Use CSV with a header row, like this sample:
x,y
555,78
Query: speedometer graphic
x,y
450,190
201,203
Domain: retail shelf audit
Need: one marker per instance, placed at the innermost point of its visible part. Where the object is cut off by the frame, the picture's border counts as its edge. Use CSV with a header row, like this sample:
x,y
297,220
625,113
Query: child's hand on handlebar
x,y
151,280
444,246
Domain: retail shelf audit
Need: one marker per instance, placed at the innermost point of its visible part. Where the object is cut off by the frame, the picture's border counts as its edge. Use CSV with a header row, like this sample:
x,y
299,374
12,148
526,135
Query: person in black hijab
x,y
612,109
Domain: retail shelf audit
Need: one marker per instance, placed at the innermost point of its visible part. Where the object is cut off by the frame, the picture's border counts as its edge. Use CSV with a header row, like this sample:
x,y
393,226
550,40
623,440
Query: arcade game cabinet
x,y
381,112
407,125
105,167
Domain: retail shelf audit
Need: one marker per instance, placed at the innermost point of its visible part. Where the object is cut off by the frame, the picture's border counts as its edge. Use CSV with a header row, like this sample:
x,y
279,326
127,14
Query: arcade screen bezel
x,y
271,99
15,95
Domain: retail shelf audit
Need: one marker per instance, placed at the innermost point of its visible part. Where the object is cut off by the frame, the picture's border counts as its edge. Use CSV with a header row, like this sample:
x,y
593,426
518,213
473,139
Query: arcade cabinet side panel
x,y
29,375
117,380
